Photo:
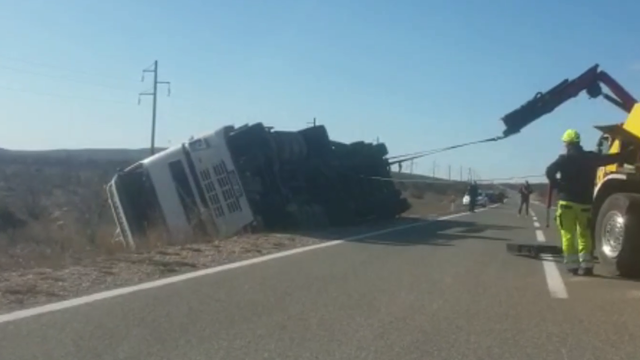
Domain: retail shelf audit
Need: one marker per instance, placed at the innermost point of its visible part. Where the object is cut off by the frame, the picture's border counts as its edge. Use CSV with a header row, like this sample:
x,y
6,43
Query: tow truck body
x,y
616,206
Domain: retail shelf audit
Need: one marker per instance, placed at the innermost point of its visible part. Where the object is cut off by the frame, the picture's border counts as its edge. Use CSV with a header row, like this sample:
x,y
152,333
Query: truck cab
x,y
187,190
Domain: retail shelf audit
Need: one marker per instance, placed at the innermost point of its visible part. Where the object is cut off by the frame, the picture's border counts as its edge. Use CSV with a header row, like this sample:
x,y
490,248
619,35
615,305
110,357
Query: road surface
x,y
442,290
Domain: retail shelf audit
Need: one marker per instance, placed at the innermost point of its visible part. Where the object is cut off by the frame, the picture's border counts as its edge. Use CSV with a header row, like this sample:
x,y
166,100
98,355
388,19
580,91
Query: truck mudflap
x,y
533,250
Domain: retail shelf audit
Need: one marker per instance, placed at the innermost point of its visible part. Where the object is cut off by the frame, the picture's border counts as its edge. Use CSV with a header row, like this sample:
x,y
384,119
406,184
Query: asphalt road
x,y
442,290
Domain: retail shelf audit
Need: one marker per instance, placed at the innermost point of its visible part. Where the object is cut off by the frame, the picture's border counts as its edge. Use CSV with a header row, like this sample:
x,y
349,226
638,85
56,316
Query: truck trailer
x,y
253,178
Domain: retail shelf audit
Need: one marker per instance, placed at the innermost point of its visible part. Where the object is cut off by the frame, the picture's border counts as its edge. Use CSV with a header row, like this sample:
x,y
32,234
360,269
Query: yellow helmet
x,y
571,136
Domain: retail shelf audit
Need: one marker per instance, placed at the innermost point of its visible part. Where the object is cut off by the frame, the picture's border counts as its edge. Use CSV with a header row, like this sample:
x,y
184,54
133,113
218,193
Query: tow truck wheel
x,y
617,234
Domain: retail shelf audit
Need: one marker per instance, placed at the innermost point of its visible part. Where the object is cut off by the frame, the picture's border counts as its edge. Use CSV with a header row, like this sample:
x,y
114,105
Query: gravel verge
x,y
26,288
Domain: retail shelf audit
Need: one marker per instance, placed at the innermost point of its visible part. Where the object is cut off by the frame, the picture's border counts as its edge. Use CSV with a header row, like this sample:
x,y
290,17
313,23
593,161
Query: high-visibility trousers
x,y
574,222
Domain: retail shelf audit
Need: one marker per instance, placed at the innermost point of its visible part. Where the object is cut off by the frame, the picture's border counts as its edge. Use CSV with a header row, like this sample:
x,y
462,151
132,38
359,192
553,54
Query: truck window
x,y
604,144
139,201
185,191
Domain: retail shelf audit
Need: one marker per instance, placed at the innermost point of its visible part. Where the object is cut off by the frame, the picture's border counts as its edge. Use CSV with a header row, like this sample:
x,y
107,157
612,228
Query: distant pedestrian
x,y
473,196
525,193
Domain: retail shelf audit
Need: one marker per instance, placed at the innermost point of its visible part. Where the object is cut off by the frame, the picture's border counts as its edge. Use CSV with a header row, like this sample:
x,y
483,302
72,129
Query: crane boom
x,y
544,103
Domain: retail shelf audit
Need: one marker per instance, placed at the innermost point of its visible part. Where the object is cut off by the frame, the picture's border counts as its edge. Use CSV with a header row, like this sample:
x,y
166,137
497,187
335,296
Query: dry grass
x,y
54,213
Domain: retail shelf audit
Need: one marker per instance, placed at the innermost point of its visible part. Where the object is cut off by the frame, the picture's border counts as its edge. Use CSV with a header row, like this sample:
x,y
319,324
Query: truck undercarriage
x,y
305,180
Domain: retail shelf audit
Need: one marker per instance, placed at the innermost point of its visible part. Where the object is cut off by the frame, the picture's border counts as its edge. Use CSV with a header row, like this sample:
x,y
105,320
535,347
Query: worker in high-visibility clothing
x,y
578,169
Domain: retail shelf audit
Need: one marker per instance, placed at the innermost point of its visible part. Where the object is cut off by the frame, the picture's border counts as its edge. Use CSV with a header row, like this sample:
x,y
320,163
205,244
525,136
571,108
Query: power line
x,y
436,180
62,78
154,69
39,93
61,68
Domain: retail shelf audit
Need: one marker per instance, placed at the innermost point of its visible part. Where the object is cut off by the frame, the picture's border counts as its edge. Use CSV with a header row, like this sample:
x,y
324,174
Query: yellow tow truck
x,y
616,206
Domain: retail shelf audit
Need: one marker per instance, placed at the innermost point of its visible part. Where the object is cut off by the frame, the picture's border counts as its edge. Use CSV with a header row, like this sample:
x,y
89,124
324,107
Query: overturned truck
x,y
253,177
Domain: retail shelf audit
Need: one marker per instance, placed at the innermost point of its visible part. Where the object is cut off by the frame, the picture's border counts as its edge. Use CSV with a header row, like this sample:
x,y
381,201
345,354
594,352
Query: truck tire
x,y
617,235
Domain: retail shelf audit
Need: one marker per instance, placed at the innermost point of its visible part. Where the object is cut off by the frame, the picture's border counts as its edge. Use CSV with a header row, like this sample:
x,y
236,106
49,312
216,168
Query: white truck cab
x,y
185,190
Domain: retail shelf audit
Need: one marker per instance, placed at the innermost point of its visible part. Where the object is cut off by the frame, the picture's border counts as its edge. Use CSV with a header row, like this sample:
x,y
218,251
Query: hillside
x,y
78,154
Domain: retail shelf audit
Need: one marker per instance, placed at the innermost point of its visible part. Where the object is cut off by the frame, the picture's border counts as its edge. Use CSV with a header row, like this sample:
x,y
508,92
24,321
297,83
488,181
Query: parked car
x,y
481,199
495,197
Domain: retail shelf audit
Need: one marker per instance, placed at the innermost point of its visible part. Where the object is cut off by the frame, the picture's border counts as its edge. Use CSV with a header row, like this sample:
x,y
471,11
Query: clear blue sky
x,y
418,74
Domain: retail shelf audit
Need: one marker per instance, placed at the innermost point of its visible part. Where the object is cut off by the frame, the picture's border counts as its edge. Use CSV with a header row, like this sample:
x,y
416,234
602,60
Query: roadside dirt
x,y
20,289
30,287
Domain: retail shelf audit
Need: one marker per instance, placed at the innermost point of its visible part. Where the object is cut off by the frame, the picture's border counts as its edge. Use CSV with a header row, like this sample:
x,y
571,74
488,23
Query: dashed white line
x,y
536,223
556,286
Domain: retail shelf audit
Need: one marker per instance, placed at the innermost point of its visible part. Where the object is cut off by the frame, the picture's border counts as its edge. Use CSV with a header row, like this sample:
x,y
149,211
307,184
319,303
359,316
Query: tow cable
x,y
416,155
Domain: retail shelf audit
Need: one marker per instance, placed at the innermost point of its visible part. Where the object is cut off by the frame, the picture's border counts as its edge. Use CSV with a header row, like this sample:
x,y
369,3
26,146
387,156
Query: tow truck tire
x,y
617,235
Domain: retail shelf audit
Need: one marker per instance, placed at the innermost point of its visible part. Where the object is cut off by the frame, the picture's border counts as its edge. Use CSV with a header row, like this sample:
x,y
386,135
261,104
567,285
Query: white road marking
x,y
21,314
556,286
536,223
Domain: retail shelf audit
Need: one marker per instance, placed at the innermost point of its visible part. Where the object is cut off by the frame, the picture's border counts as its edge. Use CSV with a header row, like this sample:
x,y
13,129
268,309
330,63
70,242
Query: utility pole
x,y
449,172
411,167
460,172
434,169
154,69
313,123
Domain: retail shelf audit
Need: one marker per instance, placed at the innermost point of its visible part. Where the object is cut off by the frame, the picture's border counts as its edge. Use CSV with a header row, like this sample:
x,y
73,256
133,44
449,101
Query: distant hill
x,y
407,176
81,154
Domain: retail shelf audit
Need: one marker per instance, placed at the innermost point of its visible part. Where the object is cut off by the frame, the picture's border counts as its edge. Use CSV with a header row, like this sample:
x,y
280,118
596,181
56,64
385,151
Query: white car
x,y
481,200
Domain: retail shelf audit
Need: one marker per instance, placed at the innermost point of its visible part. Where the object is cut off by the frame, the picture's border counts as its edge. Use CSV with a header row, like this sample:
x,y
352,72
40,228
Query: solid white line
x,y
556,286
21,314
540,236
536,224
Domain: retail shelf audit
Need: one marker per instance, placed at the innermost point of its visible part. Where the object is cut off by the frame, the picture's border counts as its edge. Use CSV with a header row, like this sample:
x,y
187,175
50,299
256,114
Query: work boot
x,y
587,272
573,271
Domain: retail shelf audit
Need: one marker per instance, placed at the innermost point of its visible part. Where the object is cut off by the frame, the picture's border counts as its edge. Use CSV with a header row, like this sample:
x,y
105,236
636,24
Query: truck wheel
x,y
617,235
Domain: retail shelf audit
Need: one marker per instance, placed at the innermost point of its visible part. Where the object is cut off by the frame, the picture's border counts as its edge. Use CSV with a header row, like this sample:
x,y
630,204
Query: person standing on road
x,y
473,196
578,169
525,192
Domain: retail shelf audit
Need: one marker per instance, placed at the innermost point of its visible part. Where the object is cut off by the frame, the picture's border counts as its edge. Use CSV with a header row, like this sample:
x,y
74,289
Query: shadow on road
x,y
437,233
419,231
